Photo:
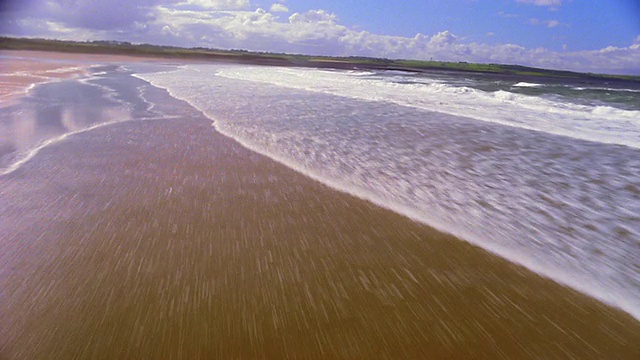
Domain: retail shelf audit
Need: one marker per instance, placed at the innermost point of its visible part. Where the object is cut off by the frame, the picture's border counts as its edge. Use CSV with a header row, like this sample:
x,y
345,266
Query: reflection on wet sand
x,y
17,77
51,111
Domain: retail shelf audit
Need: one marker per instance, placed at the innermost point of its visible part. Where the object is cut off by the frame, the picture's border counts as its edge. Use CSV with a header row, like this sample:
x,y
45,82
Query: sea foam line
x,y
580,283
577,282
526,84
33,152
508,109
110,94
7,98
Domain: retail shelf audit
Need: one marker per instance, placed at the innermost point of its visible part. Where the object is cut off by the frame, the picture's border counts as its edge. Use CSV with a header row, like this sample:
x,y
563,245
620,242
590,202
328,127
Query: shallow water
x,y
52,111
536,173
159,237
543,174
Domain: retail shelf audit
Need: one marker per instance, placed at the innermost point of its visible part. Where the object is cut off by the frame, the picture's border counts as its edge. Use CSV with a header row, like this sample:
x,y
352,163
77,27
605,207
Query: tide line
x,y
33,152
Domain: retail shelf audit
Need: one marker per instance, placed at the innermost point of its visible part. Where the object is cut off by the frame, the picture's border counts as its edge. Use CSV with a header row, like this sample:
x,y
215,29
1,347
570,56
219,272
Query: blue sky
x,y
583,35
579,24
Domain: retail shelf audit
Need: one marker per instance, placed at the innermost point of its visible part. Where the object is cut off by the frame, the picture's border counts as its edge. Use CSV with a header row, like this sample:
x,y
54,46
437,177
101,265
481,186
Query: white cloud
x,y
219,4
443,38
542,2
319,32
552,23
507,15
59,28
313,16
547,23
609,49
279,8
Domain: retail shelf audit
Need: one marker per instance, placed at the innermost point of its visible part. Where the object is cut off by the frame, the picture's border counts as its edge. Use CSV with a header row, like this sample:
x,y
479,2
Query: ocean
x,y
543,173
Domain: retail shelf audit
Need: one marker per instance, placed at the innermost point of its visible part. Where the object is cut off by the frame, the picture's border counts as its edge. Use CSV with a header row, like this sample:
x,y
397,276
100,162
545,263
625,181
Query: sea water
x,y
52,111
545,174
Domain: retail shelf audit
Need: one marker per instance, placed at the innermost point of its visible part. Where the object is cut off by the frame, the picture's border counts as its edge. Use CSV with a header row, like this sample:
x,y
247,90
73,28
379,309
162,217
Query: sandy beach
x,y
17,77
165,239
36,67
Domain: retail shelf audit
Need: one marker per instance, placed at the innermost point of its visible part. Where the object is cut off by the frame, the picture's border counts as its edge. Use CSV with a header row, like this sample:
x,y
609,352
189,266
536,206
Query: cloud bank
x,y
237,24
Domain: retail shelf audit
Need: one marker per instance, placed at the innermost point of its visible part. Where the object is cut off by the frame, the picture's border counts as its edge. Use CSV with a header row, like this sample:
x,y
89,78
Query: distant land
x,y
279,59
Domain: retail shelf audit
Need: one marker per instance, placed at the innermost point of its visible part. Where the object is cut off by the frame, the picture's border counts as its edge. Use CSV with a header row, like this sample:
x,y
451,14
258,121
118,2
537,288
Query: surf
x,y
602,124
473,179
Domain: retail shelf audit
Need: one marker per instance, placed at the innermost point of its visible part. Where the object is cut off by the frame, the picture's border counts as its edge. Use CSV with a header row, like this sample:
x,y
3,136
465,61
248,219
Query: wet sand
x,y
36,67
165,239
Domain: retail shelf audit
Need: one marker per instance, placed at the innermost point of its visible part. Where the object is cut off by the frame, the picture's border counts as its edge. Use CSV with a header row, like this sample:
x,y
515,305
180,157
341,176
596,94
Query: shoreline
x,y
21,70
20,74
502,252
183,242
581,282
284,59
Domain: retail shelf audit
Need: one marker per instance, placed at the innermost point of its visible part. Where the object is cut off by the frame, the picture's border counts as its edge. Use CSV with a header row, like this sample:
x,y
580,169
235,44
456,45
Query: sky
x,y
601,36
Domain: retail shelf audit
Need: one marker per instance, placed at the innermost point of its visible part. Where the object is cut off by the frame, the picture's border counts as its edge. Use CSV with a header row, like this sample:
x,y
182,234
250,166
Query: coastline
x,y
182,242
21,70
297,60
24,70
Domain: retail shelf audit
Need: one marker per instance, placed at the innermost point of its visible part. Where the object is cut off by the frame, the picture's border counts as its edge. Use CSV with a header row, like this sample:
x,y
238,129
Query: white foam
x,y
33,152
63,70
42,79
603,124
108,93
199,91
26,157
605,89
10,97
526,84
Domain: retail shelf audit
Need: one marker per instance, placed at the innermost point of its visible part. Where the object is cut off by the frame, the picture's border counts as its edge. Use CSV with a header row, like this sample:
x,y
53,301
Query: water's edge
x,y
545,269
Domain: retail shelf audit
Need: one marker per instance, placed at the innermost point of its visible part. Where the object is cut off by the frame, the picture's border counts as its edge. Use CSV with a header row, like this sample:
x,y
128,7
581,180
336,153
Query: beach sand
x,y
36,67
165,239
